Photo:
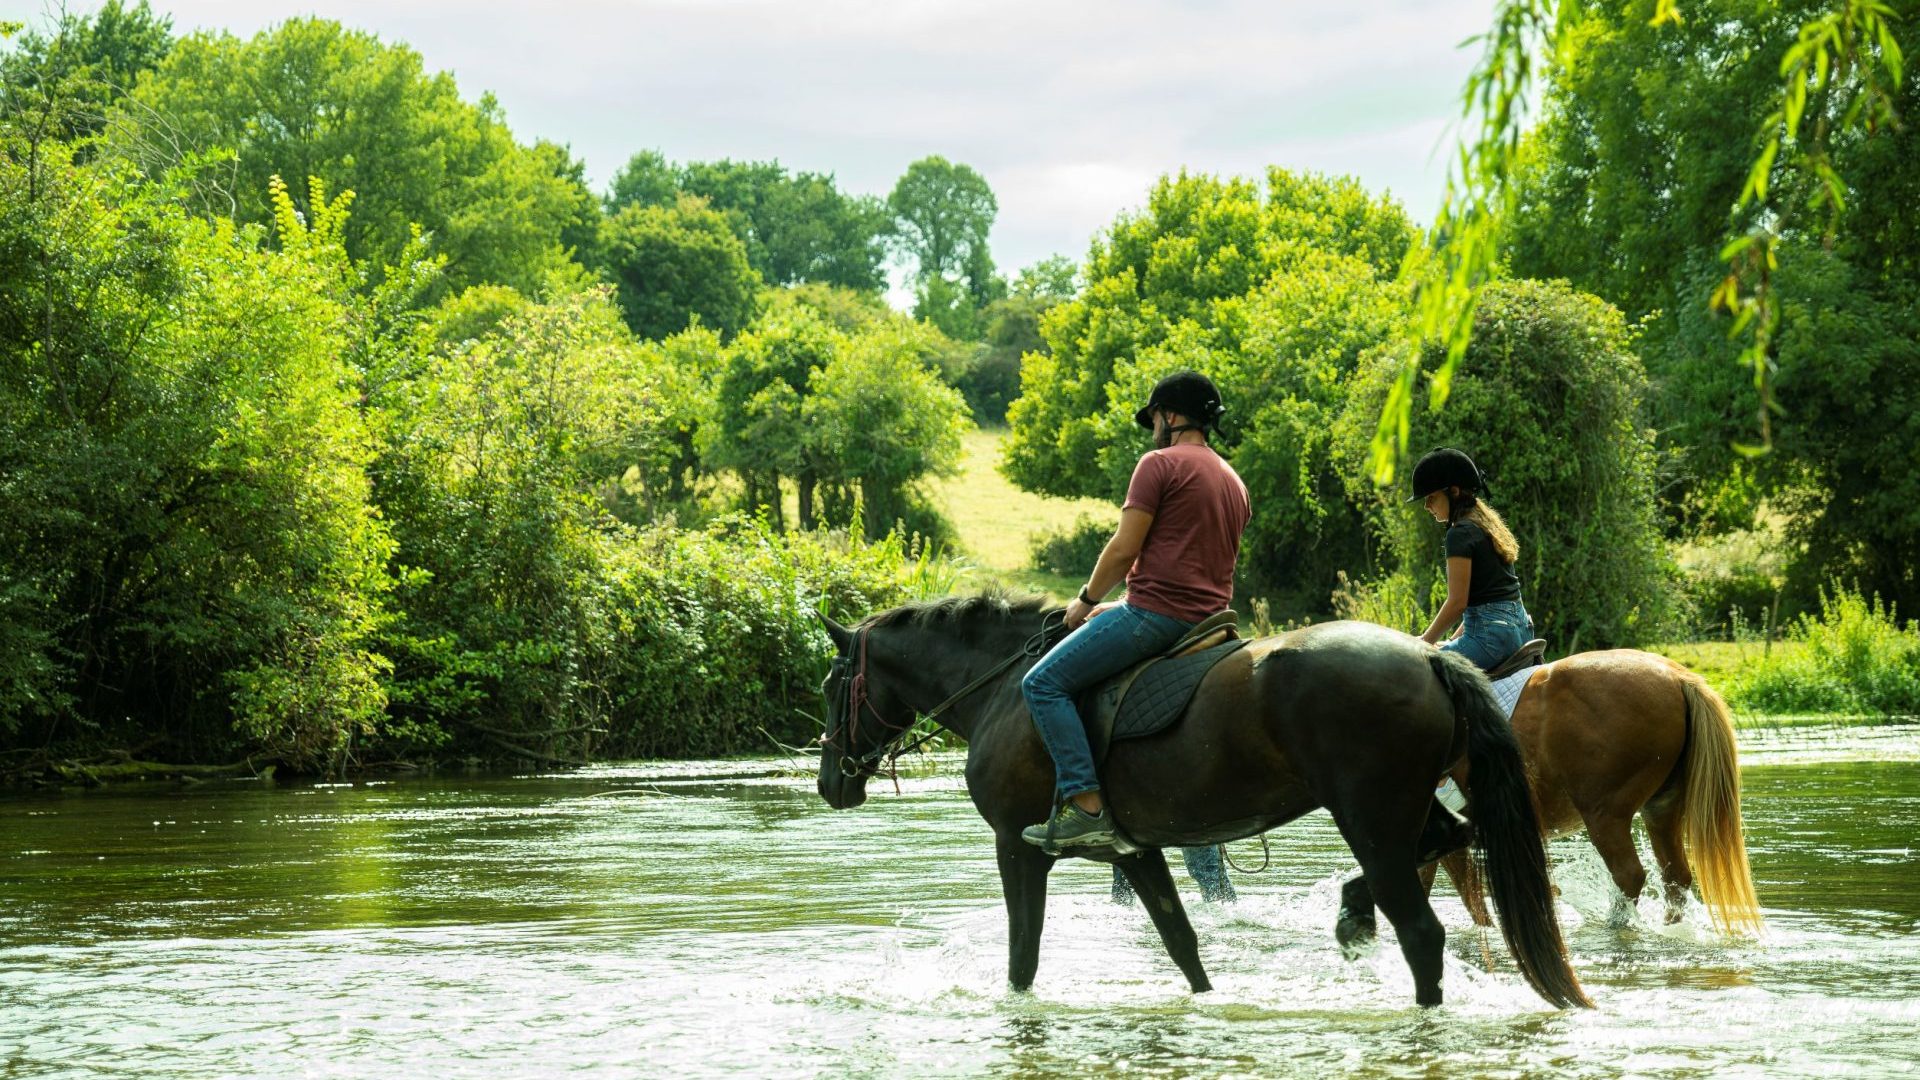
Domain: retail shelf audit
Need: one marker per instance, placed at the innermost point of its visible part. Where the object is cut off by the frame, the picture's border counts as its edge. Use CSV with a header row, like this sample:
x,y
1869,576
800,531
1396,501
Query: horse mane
x,y
999,605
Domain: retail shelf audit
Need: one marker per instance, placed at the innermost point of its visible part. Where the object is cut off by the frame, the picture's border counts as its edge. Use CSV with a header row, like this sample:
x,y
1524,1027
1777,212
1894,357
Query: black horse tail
x,y
1507,834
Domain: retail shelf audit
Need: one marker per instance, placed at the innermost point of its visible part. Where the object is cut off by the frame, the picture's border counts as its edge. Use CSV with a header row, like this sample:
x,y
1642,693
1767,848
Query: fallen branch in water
x,y
99,774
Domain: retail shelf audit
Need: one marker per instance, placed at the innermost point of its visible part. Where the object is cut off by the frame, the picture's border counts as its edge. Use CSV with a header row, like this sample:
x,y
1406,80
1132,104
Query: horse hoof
x,y
1623,914
1354,934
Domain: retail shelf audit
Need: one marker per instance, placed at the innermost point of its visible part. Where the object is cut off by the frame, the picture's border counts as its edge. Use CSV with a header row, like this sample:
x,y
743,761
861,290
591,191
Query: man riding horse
x,y
1178,540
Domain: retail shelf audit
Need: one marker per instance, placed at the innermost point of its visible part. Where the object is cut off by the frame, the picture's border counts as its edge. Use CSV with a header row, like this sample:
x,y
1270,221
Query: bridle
x,y
852,667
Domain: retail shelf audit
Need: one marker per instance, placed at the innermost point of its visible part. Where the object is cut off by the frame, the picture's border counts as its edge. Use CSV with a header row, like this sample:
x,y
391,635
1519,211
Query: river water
x,y
716,918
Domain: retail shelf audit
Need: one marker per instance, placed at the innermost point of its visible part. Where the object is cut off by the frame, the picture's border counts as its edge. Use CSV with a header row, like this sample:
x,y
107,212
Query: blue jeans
x,y
1104,646
1491,632
1205,866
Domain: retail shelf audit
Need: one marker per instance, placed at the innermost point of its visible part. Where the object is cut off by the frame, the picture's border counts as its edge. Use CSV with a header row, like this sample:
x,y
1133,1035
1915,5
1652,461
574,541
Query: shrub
x,y
716,643
1549,403
1857,659
1071,551
188,562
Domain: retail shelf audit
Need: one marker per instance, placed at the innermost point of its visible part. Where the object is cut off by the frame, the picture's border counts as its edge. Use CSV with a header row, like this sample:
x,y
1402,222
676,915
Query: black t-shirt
x,y
1493,578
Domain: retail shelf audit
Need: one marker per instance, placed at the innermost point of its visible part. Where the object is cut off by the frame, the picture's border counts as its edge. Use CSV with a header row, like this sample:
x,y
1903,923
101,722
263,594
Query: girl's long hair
x,y
1468,507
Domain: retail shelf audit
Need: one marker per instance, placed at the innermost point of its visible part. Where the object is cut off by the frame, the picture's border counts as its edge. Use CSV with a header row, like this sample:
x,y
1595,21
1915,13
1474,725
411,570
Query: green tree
x,y
797,227
758,429
1840,75
309,98
942,214
878,417
191,547
1550,403
1625,192
73,75
673,265
1199,241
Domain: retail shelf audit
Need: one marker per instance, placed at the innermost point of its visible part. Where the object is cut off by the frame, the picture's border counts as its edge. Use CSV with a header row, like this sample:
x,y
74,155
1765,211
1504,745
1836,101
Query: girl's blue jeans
x,y
1491,632
1103,646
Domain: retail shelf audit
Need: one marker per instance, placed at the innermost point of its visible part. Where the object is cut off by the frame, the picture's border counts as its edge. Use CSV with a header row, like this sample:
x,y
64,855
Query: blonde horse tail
x,y
1716,840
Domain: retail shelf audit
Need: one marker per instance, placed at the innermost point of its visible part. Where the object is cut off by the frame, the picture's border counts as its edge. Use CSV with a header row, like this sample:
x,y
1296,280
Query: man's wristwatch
x,y
1087,600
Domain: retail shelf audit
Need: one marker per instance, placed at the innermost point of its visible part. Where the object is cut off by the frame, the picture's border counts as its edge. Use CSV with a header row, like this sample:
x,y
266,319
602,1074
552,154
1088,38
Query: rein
x,y
857,700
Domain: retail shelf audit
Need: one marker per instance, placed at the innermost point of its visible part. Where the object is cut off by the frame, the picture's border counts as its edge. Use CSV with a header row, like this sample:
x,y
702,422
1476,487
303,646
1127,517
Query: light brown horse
x,y
1606,735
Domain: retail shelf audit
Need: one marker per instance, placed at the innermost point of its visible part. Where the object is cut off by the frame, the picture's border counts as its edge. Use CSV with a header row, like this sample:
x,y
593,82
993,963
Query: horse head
x,y
929,651
864,717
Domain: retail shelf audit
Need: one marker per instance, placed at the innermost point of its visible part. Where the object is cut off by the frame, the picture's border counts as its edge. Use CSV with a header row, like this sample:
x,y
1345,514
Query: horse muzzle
x,y
841,790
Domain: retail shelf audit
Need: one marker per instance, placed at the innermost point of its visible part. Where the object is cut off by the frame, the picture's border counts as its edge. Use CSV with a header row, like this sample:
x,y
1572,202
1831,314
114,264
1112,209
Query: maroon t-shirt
x,y
1199,507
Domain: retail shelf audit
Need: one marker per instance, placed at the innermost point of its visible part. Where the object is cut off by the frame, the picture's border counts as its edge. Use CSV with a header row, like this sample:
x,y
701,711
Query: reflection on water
x,y
708,918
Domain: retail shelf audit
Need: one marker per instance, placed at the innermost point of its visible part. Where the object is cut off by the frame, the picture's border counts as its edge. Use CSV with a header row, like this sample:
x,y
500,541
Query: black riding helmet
x,y
1188,393
1444,468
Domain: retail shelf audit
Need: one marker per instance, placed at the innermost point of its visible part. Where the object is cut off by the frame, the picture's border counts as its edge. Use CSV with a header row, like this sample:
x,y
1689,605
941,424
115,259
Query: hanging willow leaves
x,y
1844,60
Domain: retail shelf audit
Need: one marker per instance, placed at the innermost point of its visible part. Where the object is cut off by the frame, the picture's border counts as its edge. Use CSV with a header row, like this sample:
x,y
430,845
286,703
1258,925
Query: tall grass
x,y
1855,657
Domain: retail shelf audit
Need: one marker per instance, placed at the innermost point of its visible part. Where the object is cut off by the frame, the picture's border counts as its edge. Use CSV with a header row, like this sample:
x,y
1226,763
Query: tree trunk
x,y
806,483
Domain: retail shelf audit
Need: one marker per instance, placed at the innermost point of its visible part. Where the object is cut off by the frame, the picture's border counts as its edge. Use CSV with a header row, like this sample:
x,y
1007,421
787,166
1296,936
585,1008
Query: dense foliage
x,y
373,464
1627,194
1276,295
189,554
1577,495
338,424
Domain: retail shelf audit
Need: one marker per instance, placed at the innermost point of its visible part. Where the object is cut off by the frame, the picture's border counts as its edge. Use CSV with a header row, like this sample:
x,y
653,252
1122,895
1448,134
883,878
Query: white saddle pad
x,y
1507,690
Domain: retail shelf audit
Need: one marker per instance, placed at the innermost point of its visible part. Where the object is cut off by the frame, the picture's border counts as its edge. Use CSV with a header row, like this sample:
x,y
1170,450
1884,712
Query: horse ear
x,y
842,637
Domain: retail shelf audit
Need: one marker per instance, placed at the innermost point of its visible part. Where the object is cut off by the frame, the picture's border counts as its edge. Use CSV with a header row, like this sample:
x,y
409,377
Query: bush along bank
x,y
1853,658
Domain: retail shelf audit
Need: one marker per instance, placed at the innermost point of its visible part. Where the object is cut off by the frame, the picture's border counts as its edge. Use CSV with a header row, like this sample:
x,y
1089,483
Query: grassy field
x,y
1719,662
997,522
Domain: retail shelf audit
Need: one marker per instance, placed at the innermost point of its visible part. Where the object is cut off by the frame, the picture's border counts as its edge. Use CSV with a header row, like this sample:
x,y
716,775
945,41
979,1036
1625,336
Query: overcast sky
x,y
1070,108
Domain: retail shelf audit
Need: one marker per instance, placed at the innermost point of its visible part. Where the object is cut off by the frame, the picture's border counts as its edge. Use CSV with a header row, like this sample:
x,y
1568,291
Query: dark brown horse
x,y
1607,735
1350,716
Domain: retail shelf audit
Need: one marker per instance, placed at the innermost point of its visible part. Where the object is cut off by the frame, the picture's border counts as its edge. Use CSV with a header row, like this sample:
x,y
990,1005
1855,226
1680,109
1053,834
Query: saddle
x,y
1526,656
1150,696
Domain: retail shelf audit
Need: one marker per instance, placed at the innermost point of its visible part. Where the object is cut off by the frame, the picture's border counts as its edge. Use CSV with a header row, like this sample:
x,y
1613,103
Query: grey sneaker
x,y
1071,827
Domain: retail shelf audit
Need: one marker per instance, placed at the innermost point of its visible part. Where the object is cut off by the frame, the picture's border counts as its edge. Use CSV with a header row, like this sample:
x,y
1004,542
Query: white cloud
x,y
1070,109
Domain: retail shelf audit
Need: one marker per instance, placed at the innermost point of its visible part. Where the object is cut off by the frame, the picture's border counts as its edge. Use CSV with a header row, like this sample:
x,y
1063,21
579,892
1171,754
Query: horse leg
x,y
1356,927
1393,880
1665,820
1023,881
1613,836
1147,872
1395,884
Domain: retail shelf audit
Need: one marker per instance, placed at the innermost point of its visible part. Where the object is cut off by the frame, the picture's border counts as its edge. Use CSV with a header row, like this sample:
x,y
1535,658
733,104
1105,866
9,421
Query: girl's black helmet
x,y
1444,468
1188,393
